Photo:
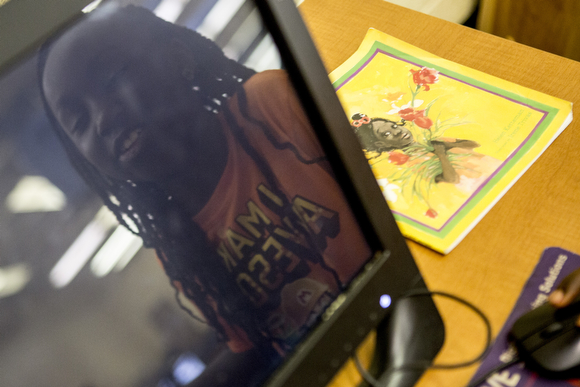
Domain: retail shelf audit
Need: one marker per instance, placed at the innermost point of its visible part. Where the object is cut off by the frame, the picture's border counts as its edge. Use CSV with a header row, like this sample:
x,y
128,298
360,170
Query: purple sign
x,y
554,265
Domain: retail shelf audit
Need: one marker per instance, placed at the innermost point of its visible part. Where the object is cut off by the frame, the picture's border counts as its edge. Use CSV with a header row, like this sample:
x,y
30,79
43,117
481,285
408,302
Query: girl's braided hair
x,y
191,264
366,135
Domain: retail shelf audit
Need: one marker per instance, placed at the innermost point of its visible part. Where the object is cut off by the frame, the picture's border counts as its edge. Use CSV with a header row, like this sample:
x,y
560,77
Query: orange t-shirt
x,y
289,247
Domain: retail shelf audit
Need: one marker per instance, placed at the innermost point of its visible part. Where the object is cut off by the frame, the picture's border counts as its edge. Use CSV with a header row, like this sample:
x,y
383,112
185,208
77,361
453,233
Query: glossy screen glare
x,y
187,368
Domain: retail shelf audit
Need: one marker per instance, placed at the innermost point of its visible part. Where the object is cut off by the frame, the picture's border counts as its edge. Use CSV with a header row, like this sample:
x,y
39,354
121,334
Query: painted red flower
x,y
423,122
410,114
431,213
398,158
425,77
416,116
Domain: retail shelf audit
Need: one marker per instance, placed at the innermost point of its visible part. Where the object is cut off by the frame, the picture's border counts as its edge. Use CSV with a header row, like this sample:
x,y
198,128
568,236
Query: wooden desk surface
x,y
491,265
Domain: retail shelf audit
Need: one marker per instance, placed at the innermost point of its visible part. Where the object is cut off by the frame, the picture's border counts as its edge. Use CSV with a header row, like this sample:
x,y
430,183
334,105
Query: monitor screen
x,y
180,206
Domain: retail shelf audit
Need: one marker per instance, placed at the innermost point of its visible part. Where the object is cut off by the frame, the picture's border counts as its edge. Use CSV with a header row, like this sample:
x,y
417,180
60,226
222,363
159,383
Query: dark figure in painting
x,y
382,135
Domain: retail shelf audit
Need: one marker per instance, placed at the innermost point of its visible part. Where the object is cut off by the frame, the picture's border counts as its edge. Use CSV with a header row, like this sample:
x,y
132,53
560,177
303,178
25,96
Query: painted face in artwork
x,y
392,134
122,98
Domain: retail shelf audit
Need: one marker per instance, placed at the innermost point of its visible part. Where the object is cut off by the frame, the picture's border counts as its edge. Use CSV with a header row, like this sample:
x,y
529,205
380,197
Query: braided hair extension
x,y
280,146
189,261
217,77
147,211
315,253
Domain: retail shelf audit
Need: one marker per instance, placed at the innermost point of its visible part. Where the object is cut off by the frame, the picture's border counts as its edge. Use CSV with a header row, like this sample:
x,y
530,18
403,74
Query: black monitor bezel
x,y
358,311
25,24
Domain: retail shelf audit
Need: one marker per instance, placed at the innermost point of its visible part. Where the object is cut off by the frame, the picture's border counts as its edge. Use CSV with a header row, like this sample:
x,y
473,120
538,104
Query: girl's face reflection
x,y
121,97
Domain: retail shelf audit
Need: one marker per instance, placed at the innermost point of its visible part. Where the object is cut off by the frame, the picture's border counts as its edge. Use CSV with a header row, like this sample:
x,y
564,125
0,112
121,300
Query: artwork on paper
x,y
444,141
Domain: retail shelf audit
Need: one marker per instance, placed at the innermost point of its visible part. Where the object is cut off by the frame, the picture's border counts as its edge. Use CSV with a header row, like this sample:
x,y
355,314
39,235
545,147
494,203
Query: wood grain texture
x,y
491,265
551,25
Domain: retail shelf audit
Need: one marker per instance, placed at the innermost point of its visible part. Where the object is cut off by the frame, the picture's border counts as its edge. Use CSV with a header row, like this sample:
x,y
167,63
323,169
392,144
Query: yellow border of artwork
x,y
558,116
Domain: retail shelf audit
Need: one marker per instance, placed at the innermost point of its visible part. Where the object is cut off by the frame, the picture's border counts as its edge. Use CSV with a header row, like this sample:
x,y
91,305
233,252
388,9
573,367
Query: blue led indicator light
x,y
385,301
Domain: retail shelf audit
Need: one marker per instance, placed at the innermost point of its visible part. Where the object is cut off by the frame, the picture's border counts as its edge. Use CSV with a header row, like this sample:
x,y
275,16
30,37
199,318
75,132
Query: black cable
x,y
366,375
427,364
415,293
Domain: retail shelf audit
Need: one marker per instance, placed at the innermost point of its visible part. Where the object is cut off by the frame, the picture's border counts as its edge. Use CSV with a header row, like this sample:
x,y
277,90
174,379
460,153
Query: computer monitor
x,y
216,141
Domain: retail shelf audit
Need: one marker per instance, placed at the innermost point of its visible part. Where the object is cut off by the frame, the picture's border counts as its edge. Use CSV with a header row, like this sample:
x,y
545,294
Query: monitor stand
x,y
410,336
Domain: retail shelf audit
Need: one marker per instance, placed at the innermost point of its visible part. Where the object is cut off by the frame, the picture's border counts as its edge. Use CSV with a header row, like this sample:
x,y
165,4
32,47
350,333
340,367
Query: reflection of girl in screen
x,y
213,166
